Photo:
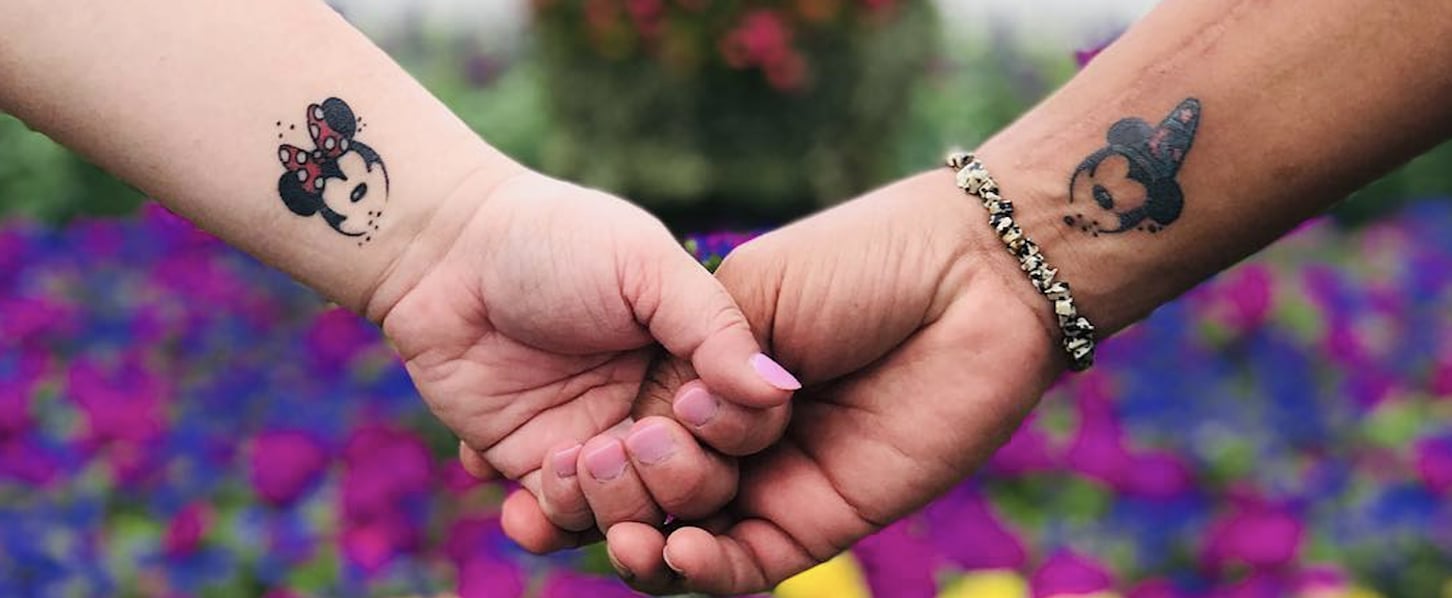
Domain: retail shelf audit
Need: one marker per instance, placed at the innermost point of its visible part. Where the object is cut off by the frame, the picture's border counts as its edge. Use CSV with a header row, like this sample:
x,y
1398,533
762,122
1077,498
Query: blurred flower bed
x,y
178,420
732,110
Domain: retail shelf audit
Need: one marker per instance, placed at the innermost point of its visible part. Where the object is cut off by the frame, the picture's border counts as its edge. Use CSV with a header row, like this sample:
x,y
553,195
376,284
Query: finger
x,y
526,524
474,463
727,427
754,556
692,316
612,489
635,551
561,499
681,477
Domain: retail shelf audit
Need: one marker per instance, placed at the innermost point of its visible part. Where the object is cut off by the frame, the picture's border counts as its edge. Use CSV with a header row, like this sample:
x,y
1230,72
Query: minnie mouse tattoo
x,y
1132,180
342,179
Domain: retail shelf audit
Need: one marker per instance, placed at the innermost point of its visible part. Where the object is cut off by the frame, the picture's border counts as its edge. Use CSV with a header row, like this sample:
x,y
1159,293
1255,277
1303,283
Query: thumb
x,y
689,313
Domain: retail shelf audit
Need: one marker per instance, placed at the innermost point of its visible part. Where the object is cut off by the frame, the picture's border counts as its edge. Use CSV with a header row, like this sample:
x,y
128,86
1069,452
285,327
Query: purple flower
x,y
1155,588
1434,463
1158,475
1098,448
1069,573
336,337
285,464
1029,450
29,319
489,578
120,403
964,513
567,584
386,484
1084,56
899,562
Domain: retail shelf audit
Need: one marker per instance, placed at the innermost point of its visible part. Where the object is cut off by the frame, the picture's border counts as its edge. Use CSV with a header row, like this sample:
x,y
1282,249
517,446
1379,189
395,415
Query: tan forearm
x,y
193,102
1299,103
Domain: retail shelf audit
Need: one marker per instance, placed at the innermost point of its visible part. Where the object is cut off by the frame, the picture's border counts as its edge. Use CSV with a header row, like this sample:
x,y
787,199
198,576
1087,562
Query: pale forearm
x,y
193,102
1295,104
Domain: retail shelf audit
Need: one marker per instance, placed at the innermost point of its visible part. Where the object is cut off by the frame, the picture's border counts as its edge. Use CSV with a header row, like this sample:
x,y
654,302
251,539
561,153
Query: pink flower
x,y
184,533
1257,535
285,464
1069,573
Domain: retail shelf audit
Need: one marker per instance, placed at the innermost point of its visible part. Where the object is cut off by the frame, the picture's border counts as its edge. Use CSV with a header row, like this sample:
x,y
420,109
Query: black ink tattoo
x,y
341,179
1132,181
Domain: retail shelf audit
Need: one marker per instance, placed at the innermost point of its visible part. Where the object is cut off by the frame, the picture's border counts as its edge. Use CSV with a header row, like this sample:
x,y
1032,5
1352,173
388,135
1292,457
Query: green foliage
x,y
42,180
708,143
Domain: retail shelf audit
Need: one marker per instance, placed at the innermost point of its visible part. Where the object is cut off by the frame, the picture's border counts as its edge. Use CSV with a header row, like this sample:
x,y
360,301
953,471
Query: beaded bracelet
x,y
1078,341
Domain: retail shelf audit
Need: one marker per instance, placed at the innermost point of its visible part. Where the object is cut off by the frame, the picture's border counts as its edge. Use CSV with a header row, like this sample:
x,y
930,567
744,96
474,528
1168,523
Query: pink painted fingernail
x,y
651,444
564,461
773,373
606,462
696,406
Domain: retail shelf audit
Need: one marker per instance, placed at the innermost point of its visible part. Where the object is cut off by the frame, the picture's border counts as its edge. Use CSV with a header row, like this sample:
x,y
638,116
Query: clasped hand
x,y
572,345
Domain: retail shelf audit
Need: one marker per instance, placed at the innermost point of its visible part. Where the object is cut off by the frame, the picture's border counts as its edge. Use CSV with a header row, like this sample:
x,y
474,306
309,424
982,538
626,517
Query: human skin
x,y
526,309
1209,129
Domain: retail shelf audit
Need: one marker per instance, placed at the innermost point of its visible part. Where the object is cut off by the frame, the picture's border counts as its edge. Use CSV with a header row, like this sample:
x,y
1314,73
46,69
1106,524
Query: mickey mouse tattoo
x,y
1132,180
341,178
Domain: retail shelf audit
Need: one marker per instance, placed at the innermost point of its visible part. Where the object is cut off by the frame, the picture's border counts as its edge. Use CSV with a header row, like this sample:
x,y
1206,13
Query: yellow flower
x,y
987,584
837,578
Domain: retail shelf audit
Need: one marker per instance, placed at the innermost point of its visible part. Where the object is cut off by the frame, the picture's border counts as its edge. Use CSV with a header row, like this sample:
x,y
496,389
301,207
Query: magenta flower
x,y
490,578
899,562
28,319
1433,458
965,513
1256,535
1029,450
184,534
1067,572
119,403
1247,292
1098,448
568,584
1158,474
1155,588
285,464
337,336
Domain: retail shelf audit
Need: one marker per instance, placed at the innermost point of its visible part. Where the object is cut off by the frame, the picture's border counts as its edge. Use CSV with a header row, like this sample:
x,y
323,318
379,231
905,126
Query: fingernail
x,y
564,461
624,572
651,444
773,373
696,406
606,462
666,555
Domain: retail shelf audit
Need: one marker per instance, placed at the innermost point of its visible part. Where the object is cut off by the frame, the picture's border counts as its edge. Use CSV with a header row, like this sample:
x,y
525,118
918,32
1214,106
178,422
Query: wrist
x,y
1104,290
427,231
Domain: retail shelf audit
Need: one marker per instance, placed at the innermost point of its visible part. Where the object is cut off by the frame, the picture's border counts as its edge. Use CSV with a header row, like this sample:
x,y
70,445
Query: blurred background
x,y
178,420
